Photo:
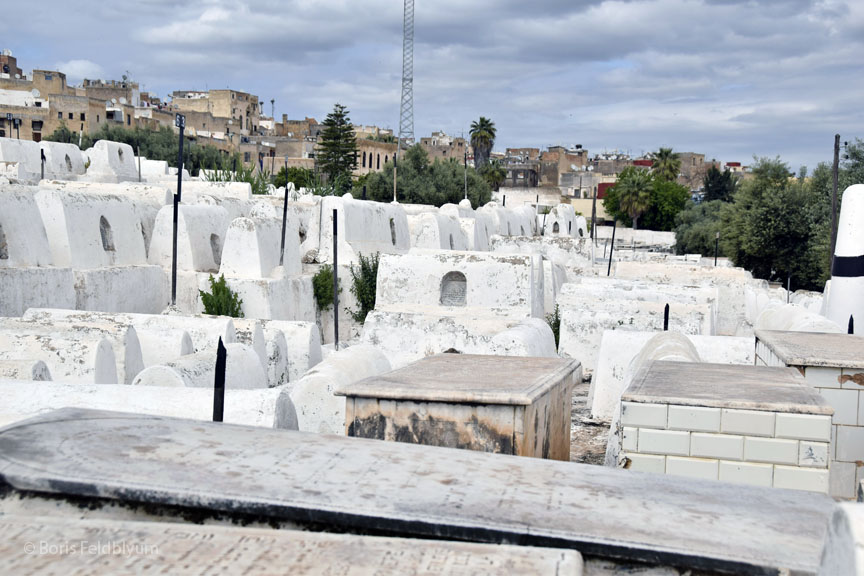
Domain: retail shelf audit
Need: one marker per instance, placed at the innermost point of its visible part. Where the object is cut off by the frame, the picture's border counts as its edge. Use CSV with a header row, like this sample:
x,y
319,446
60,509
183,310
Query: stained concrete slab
x,y
726,386
55,546
815,349
468,378
405,489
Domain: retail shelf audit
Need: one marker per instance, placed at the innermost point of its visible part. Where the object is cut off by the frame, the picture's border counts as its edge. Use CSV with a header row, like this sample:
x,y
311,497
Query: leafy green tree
x,y
482,140
420,182
776,227
221,300
666,165
719,185
697,226
633,190
336,155
554,322
364,284
300,177
667,200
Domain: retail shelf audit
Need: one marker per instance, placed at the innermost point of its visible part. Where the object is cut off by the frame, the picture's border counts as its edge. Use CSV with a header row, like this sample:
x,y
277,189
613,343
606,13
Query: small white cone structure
x,y
846,297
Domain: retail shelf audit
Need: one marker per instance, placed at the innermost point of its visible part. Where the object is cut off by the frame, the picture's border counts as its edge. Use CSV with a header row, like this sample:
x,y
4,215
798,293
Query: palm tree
x,y
494,174
634,192
482,139
667,164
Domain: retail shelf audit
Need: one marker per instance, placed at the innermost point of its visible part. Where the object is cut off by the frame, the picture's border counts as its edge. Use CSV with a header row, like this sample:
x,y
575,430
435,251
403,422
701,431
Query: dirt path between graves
x,y
587,436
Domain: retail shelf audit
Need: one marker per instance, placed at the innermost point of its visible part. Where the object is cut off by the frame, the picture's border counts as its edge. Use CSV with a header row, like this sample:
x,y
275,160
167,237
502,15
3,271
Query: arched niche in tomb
x,y
521,230
107,235
120,153
509,233
454,288
68,163
393,231
581,234
216,248
4,246
555,228
451,241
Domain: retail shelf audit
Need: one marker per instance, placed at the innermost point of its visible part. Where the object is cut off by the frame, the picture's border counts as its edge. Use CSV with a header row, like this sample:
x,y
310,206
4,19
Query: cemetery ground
x,y
588,435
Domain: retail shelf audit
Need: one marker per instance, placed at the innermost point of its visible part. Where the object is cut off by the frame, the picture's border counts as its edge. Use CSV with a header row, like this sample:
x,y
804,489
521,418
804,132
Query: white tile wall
x,y
643,415
646,463
842,479
734,445
692,467
820,377
747,422
629,440
855,375
813,454
695,418
801,478
771,450
850,443
861,409
723,446
803,427
845,404
664,442
747,473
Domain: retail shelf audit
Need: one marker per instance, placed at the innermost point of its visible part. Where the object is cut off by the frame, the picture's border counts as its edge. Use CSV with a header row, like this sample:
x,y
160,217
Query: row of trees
x,y
773,224
161,144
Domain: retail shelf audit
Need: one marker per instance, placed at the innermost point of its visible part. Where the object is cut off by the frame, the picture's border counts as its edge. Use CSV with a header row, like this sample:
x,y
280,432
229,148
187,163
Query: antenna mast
x,y
406,107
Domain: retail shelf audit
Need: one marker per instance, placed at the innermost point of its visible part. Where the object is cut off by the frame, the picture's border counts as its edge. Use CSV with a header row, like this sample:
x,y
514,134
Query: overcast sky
x,y
726,78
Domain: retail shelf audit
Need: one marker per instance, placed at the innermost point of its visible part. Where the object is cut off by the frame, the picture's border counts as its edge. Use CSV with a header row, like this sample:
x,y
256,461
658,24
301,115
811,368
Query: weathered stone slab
x,y
360,484
500,404
726,386
810,349
47,545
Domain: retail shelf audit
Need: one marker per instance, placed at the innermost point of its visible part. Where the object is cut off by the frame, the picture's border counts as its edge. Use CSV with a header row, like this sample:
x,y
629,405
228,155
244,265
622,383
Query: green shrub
x,y
554,321
260,181
364,283
221,300
322,283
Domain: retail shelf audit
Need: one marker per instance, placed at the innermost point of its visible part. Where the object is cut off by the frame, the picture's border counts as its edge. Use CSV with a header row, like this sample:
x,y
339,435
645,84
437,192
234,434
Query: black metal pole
x,y
851,328
42,160
835,176
612,247
180,122
666,318
593,214
335,284
284,223
17,132
139,163
219,383
716,246
503,200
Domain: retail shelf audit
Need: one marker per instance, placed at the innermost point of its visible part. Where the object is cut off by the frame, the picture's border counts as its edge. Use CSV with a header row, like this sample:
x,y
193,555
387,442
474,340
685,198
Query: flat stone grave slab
x,y
833,364
49,545
405,489
814,349
502,404
741,424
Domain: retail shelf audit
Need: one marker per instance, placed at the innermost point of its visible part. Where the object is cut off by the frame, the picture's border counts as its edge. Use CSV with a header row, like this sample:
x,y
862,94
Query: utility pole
x,y
836,169
179,122
466,171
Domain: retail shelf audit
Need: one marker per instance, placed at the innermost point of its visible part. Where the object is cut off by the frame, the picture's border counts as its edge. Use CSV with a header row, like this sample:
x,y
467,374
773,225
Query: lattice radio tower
x,y
406,107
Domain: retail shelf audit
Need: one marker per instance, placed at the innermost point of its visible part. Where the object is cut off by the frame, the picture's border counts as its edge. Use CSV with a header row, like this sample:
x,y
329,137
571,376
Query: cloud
x,y
77,70
729,78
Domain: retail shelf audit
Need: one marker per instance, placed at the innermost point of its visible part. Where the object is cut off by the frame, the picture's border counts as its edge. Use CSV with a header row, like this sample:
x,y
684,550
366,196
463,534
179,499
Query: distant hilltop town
x,y
33,107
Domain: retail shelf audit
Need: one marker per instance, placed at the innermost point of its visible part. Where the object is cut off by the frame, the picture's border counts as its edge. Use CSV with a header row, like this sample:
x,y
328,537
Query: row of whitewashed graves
x,y
451,279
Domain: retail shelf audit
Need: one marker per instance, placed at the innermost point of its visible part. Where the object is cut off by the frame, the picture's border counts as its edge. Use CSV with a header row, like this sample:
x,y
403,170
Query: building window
x,y
97,118
38,104
71,116
246,157
364,159
82,116
48,77
59,115
379,162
